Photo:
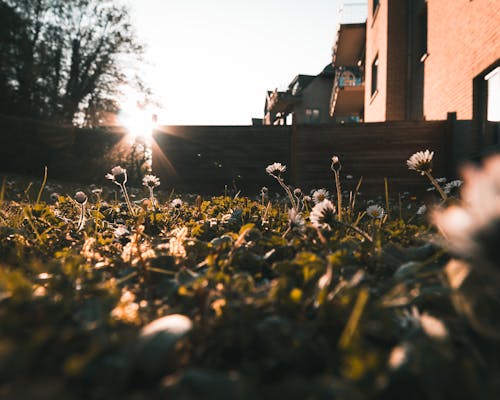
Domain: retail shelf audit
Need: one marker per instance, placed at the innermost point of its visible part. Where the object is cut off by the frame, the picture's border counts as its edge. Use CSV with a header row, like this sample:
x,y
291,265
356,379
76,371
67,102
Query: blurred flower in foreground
x,y
472,229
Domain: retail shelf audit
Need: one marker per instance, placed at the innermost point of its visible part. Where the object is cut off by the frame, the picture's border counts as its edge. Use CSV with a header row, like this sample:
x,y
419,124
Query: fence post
x,y
293,153
450,143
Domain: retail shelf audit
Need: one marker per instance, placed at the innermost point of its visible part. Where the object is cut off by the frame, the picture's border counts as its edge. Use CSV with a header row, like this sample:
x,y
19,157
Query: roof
x,y
299,83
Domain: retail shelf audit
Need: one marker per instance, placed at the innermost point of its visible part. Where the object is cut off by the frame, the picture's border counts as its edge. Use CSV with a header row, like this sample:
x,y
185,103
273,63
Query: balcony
x,y
280,102
348,92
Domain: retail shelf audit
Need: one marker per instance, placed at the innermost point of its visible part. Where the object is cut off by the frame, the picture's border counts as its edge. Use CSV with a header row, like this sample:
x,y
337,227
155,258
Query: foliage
x,y
64,59
276,312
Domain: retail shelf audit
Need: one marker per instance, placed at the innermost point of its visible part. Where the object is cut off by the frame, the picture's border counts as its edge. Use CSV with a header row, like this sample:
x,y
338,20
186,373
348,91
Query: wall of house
x,y
376,43
397,60
315,95
463,40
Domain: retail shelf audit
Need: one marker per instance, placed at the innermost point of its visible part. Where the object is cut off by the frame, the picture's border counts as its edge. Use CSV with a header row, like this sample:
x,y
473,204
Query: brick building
x,y
425,59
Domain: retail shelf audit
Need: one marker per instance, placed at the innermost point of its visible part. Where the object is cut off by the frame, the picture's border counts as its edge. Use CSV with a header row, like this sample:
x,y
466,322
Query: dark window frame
x,y
374,76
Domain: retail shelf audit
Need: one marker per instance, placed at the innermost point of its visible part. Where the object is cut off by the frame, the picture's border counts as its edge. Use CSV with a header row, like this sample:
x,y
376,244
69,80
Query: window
x,y
376,3
313,115
374,76
493,95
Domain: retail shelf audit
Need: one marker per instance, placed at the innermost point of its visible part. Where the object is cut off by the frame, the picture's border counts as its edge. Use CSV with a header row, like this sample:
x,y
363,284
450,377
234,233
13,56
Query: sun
x,y
140,123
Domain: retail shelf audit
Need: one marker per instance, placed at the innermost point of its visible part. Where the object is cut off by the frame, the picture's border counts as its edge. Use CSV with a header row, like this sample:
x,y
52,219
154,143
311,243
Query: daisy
x,y
176,203
323,215
150,181
275,169
375,211
320,195
421,161
118,175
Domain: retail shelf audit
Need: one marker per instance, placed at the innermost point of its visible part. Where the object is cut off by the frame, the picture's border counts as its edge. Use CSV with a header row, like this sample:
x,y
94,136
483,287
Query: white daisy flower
x,y
421,161
176,203
375,211
118,175
275,169
320,195
323,215
150,181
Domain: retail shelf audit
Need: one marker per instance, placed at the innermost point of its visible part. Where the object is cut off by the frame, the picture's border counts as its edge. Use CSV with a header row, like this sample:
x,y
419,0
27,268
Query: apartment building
x,y
425,59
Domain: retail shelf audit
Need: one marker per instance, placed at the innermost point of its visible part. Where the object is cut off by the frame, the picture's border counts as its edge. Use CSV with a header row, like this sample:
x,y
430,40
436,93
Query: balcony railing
x,y
348,77
281,101
353,11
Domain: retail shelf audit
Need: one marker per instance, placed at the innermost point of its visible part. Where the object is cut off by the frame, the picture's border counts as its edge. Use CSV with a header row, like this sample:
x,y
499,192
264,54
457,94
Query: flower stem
x,y
339,195
81,220
436,185
127,200
152,197
288,192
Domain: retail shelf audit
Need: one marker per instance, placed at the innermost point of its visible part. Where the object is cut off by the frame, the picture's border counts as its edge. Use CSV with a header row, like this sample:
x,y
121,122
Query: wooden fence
x,y
208,159
372,150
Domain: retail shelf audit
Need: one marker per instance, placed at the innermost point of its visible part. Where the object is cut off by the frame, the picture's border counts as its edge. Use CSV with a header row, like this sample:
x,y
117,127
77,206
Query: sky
x,y
210,62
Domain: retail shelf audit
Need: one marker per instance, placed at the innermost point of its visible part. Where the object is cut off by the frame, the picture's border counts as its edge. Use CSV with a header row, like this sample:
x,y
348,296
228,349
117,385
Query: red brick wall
x,y
463,40
376,43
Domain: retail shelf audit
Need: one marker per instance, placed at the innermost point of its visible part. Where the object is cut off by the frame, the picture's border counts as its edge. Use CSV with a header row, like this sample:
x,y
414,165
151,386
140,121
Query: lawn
x,y
141,293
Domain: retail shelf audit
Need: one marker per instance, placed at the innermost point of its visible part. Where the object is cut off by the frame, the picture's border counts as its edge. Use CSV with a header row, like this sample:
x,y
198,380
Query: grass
x,y
275,312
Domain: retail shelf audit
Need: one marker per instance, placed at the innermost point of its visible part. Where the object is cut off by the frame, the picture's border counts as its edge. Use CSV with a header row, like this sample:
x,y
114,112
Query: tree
x,y
64,58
